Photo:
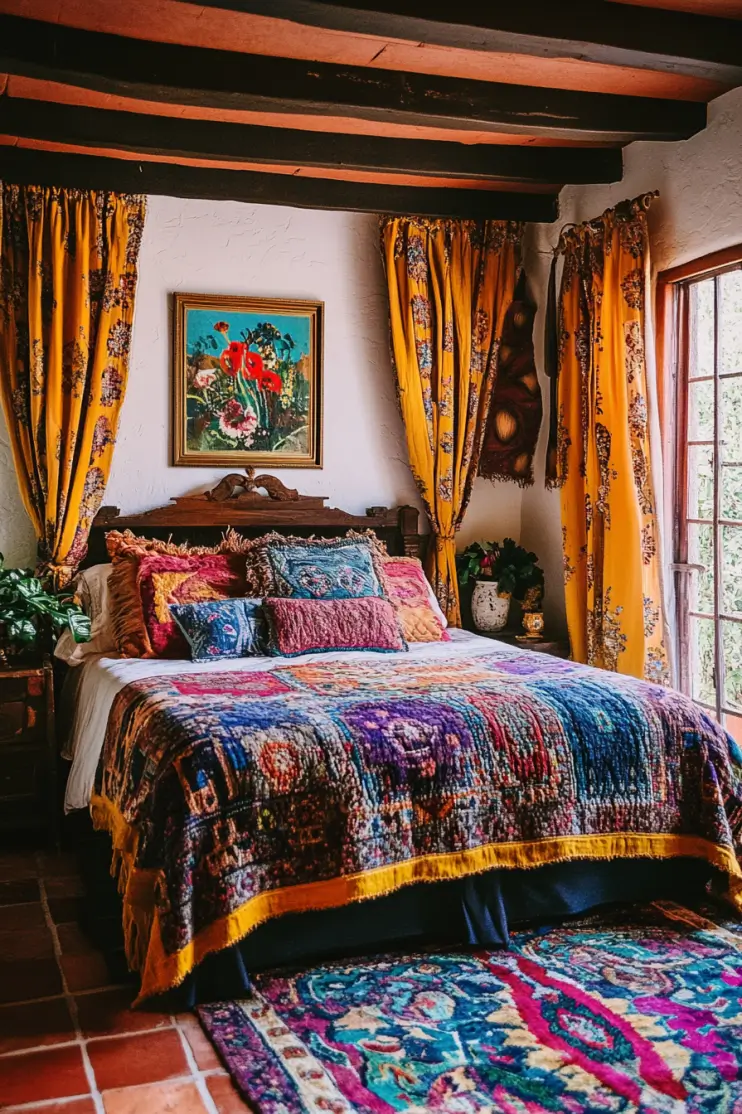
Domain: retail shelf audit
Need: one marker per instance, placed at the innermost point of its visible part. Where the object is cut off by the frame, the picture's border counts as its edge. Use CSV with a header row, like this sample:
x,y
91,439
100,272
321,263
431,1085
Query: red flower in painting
x,y
232,357
270,381
252,366
221,327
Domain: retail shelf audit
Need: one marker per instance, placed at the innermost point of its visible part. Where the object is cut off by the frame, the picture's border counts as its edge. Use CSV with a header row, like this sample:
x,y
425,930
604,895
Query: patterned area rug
x,y
638,1013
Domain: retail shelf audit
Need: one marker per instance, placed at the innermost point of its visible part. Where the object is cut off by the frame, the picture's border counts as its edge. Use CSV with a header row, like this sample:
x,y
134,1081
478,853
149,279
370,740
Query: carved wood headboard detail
x,y
237,501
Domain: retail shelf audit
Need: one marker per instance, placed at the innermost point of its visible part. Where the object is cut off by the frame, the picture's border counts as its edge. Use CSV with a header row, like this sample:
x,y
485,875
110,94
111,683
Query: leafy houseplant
x,y
476,561
516,570
513,567
31,617
500,571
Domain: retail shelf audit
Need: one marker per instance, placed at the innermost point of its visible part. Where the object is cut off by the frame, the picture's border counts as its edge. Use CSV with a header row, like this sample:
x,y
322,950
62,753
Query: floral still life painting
x,y
247,381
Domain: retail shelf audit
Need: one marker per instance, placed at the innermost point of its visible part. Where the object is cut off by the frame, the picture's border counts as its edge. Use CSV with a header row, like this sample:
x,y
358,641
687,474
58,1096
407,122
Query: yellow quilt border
x,y
160,971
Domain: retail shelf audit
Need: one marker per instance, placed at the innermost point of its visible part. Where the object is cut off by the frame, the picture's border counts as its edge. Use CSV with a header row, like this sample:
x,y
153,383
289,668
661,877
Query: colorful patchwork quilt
x,y
234,797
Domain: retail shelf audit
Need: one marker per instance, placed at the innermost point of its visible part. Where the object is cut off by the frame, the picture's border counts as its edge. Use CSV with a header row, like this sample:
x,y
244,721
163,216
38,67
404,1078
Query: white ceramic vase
x,y
489,610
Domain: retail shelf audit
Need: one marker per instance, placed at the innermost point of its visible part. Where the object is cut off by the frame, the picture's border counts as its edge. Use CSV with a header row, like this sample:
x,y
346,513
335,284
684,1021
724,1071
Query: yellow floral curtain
x,y
450,284
68,272
602,461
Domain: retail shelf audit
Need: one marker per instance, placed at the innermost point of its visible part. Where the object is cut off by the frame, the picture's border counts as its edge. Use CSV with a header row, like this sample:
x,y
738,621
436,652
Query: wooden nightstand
x,y
557,647
28,758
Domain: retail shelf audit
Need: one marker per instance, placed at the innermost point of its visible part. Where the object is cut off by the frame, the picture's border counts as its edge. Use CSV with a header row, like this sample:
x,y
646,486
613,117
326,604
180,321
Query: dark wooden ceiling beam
x,y
164,135
225,79
586,30
129,176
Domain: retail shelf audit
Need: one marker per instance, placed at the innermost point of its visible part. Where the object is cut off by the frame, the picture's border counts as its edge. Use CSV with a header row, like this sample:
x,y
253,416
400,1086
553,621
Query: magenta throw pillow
x,y
297,626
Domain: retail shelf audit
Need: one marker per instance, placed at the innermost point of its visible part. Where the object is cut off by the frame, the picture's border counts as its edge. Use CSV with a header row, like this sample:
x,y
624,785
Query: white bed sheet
x,y
103,677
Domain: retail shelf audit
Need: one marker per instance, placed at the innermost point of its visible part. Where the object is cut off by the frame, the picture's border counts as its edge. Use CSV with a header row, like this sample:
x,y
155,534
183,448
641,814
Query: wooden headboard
x,y
252,505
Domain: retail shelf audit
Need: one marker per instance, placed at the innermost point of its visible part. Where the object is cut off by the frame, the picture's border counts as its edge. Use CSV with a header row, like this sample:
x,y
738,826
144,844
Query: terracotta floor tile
x,y
13,893
225,1095
35,1023
67,885
34,1076
52,864
85,972
73,940
23,979
30,943
108,1011
203,1050
162,1098
75,1106
21,916
66,909
15,865
146,1058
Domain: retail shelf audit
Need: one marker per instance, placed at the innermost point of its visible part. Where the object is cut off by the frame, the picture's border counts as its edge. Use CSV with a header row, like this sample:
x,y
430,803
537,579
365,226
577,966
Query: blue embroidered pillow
x,y
338,572
215,629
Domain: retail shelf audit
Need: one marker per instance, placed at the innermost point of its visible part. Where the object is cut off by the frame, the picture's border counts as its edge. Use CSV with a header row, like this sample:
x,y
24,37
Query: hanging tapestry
x,y
515,412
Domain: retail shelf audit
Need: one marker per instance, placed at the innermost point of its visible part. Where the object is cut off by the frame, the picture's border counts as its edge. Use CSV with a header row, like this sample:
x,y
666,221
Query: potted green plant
x,y
32,617
501,571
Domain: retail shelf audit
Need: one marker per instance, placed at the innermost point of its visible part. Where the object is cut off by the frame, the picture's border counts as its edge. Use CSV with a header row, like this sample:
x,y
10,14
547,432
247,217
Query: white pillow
x,y
91,587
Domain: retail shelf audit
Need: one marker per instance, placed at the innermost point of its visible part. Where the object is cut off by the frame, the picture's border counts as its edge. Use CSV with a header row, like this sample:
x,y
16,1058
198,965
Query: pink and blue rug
x,y
639,1014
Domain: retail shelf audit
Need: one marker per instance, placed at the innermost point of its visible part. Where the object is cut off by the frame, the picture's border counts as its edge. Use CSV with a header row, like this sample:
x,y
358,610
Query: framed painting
x,y
247,382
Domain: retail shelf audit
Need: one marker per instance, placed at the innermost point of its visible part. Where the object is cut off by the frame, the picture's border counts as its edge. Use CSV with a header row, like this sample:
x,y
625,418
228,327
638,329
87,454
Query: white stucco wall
x,y
233,248
699,211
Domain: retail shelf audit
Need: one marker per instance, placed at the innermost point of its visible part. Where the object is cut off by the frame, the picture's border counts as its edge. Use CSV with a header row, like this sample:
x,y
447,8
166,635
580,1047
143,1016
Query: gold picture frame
x,y
246,381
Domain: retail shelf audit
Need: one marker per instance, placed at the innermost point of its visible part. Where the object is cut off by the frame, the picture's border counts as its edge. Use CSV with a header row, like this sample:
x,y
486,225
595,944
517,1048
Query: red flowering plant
x,y
249,392
513,567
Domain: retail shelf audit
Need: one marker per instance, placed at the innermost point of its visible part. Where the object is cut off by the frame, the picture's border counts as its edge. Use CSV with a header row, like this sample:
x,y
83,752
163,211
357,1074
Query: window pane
x,y
702,328
702,660
731,492
730,321
701,552
731,560
701,411
700,481
731,419
731,634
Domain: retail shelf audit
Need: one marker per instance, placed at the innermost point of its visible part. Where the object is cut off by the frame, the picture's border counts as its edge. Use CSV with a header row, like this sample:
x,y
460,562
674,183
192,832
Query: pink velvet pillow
x,y
163,579
297,626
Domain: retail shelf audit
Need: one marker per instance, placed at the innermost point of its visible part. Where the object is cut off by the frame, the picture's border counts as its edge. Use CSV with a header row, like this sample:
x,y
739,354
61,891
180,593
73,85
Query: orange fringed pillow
x,y
148,575
410,595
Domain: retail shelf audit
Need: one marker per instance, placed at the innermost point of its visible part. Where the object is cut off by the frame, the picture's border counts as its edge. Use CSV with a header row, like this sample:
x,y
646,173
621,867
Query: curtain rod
x,y
624,210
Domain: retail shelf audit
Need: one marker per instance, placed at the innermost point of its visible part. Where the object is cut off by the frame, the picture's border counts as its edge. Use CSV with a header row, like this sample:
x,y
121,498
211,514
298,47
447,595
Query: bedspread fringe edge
x,y
161,970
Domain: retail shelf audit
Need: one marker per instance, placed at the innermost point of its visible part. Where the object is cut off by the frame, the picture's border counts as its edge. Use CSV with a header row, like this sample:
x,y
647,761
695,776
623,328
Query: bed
x,y
273,811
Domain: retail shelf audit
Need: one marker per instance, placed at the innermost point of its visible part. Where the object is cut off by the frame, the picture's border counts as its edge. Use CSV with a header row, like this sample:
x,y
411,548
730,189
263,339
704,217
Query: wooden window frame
x,y
673,365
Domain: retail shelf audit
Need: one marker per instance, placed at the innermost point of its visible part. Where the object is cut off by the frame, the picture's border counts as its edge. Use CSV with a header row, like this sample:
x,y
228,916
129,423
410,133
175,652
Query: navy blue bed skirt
x,y
467,912
474,911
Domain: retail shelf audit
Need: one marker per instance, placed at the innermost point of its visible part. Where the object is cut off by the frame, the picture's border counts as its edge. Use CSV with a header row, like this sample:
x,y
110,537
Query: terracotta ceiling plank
x,y
175,21
33,89
85,171
598,31
244,143
222,79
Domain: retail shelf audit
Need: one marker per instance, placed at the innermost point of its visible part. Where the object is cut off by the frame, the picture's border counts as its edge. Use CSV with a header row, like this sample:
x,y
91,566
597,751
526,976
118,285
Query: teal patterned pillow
x,y
310,572
217,629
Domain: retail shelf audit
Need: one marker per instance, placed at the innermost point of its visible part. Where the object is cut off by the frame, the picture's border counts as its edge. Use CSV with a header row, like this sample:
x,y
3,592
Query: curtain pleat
x,y
68,272
450,284
615,610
